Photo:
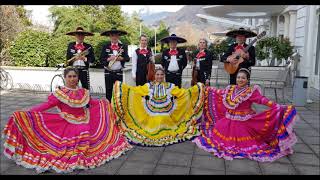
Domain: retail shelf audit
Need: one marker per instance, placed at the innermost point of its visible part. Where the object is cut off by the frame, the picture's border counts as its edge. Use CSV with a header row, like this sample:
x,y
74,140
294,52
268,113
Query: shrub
x,y
30,48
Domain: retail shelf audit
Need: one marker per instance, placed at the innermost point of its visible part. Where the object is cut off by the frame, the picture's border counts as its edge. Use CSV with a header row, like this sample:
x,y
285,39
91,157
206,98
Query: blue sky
x,y
40,12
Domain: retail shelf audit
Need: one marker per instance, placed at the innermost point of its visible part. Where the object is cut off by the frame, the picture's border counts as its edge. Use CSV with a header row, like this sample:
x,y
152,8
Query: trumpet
x,y
83,53
115,59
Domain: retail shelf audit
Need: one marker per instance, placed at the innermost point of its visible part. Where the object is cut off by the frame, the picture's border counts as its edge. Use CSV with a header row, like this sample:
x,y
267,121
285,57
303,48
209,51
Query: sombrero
x,y
174,38
114,31
80,30
241,31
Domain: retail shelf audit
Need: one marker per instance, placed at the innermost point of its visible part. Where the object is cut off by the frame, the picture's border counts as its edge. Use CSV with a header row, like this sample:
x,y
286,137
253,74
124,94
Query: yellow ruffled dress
x,y
158,114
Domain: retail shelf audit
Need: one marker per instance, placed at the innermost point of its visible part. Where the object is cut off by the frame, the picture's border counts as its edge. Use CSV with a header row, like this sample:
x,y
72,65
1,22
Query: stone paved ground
x,y
186,158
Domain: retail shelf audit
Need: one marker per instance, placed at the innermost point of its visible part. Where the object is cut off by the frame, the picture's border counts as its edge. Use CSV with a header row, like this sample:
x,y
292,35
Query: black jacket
x,y
205,63
142,61
181,58
247,62
71,51
106,52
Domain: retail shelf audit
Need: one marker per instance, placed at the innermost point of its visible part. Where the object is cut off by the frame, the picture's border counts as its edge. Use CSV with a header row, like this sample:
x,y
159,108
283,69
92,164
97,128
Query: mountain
x,y
150,18
186,24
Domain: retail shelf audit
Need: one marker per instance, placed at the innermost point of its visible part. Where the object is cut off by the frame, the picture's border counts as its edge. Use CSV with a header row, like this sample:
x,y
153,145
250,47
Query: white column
x,y
278,25
308,61
273,26
286,25
292,26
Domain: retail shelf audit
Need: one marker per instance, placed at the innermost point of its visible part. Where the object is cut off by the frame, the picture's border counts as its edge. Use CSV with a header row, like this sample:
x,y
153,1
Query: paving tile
x,y
284,160
176,159
6,163
208,162
307,132
137,168
109,168
315,149
302,125
126,155
52,172
302,148
311,140
201,171
304,159
199,151
145,156
160,149
186,147
242,166
19,170
277,169
171,170
308,170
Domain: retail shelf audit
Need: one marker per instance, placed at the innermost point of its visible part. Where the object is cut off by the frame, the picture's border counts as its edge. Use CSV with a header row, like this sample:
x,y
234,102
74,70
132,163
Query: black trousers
x,y
110,78
174,77
233,77
141,78
84,77
201,78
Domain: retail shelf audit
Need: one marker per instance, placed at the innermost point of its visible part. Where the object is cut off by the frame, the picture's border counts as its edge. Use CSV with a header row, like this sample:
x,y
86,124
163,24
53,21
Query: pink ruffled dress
x,y
82,135
232,129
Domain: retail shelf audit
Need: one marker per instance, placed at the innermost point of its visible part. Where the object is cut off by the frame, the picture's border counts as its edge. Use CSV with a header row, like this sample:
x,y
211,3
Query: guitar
x,y
151,71
232,68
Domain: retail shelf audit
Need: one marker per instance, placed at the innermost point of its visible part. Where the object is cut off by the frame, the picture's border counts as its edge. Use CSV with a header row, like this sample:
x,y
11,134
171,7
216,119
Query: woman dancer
x,y
158,113
232,129
82,135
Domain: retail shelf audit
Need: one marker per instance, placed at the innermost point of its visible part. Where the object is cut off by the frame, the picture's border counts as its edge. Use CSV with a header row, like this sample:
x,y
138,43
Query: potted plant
x,y
272,48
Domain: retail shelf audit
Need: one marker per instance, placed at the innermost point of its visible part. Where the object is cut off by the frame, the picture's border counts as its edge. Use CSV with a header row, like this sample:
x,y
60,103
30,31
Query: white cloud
x,y
40,13
152,9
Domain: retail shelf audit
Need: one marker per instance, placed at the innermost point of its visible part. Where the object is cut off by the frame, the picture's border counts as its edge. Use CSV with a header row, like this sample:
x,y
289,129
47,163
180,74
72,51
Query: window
x,y
316,71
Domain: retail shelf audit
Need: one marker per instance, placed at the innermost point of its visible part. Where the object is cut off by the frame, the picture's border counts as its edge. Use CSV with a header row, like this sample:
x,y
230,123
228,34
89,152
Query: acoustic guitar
x,y
232,68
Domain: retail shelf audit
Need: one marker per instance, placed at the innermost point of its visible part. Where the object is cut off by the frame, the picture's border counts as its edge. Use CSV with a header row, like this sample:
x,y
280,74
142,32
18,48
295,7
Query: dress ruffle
x,y
158,127
45,141
265,137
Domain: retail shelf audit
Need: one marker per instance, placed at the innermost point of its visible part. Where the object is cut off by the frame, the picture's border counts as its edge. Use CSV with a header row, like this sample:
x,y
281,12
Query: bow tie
x,y
143,51
239,47
201,54
79,47
173,52
114,47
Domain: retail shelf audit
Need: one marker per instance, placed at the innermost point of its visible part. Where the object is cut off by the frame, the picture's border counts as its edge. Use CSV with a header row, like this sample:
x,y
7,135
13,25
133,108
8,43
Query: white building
x,y
300,23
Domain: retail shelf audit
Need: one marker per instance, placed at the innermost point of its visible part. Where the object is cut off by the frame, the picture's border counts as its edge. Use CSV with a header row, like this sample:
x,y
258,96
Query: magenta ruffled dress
x,y
232,129
83,135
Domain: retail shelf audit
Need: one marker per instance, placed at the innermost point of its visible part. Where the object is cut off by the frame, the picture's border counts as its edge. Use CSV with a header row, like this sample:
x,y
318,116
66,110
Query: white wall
x,y
34,78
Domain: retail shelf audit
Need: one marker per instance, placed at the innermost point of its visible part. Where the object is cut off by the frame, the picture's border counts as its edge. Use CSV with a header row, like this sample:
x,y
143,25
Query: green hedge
x,y
30,48
39,49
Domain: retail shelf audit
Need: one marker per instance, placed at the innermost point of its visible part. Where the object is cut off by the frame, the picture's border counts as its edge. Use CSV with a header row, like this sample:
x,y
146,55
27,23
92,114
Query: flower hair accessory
x,y
246,70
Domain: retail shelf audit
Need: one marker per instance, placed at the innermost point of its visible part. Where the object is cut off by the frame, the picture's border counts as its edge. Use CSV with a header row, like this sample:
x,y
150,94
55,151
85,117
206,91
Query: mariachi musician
x,y
141,57
202,63
80,62
174,59
113,57
249,58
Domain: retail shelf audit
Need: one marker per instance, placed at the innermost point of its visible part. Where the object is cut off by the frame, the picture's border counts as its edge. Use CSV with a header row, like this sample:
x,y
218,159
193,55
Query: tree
x,y
13,19
162,32
30,48
68,18
23,15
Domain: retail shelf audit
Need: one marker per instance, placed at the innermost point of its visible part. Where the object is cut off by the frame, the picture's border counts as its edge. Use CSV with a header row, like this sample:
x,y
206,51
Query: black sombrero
x,y
114,31
80,30
173,37
241,31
